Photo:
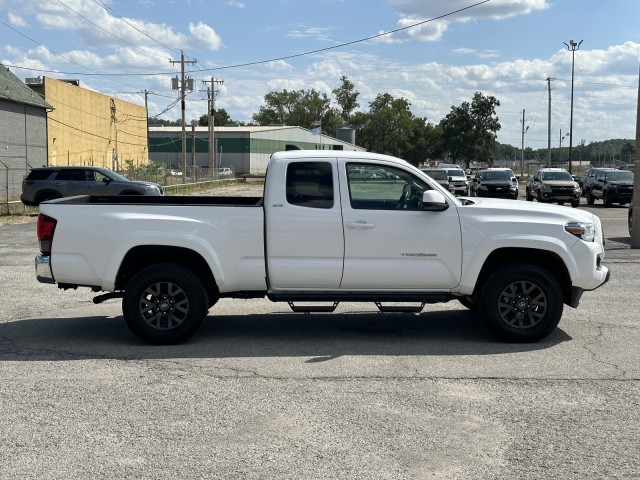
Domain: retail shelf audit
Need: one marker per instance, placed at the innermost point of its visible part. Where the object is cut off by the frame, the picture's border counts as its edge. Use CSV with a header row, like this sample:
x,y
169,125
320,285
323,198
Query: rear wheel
x,y
165,304
46,197
520,302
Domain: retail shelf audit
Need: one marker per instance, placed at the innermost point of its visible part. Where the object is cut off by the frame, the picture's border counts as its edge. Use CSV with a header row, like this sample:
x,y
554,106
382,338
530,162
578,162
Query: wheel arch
x,y
142,256
551,261
46,193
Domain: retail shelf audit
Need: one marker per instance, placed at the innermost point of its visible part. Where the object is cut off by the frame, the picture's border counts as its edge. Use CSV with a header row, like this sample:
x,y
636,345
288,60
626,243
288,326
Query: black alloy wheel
x,y
520,302
165,304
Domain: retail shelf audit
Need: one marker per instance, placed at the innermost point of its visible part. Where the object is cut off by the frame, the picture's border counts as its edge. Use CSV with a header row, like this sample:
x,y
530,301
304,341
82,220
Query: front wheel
x,y
528,195
590,198
520,302
575,203
165,304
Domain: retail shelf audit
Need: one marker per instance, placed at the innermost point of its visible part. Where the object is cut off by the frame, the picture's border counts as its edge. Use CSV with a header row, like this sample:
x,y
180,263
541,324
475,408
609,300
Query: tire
x,y
165,304
520,302
46,197
590,198
605,199
575,203
469,302
539,197
528,195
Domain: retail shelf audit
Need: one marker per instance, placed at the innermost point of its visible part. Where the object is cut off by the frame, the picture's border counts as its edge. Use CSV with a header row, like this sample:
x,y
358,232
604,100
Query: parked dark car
x,y
48,183
586,180
611,186
494,183
553,185
440,176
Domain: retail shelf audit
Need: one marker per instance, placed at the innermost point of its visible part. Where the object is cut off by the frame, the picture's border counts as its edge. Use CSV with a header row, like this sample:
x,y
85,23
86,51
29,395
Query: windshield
x,y
436,174
455,172
557,176
498,175
621,175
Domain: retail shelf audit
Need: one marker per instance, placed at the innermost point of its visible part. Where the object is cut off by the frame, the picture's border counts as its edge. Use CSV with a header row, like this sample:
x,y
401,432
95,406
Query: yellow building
x,y
89,128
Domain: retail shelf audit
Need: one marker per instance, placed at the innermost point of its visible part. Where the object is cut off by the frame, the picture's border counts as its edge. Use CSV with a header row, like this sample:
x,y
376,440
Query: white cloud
x,y
16,20
205,36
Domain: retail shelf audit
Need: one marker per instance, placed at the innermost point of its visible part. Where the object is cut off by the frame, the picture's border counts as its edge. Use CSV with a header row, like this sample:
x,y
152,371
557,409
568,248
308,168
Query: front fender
x,y
474,259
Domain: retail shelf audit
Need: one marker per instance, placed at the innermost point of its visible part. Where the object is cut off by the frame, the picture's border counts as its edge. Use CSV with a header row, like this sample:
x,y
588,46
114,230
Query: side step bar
x,y
313,308
400,308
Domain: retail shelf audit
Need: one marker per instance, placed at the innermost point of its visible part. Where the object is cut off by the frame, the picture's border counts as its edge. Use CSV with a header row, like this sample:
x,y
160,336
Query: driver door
x,y
390,242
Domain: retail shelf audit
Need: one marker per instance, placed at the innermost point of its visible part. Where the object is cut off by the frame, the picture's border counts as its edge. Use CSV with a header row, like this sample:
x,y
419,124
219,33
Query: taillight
x,y
45,228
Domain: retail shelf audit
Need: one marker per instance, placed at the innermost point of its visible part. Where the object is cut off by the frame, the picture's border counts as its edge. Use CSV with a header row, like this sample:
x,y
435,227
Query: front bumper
x,y
43,269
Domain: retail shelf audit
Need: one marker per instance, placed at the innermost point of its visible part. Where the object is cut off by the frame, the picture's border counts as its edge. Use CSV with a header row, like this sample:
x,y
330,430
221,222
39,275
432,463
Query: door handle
x,y
361,225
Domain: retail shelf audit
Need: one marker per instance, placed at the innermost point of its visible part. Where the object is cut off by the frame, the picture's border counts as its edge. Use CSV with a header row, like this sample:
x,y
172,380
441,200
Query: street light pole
x,y
572,46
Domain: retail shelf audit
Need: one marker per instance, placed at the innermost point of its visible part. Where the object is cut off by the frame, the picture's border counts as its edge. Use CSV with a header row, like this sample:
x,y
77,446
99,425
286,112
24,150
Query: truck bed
x,y
162,200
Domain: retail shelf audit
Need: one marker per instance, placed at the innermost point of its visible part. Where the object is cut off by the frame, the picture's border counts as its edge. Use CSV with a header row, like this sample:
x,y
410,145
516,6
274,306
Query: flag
x,y
316,127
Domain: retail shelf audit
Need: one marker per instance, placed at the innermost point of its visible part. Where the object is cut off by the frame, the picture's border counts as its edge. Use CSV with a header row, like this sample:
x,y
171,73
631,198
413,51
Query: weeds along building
x,y
89,128
244,149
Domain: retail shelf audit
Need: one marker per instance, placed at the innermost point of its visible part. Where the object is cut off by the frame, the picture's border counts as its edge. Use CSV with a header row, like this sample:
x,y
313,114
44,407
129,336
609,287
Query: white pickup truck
x,y
332,226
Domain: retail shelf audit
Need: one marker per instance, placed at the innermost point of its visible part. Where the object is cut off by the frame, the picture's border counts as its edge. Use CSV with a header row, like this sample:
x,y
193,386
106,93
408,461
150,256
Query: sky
x,y
434,53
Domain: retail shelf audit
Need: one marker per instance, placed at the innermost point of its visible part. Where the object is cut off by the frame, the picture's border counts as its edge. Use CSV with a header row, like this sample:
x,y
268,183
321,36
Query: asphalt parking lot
x,y
262,393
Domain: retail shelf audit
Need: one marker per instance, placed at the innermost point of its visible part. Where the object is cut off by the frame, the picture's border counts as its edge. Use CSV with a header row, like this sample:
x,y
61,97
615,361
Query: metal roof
x,y
15,90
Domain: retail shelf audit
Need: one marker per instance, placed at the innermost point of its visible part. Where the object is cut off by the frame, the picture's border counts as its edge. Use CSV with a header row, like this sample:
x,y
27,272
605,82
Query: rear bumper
x,y
43,269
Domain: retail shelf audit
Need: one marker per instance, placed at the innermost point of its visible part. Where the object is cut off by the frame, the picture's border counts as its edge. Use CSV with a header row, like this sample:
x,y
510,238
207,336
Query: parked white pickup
x,y
332,226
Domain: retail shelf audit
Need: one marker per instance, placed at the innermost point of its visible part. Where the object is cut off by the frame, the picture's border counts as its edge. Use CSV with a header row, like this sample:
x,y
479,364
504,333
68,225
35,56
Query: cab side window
x,y
381,187
310,184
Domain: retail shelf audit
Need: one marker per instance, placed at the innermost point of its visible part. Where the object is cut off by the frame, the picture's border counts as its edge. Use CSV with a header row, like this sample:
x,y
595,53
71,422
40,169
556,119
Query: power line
x,y
122,19
287,57
61,56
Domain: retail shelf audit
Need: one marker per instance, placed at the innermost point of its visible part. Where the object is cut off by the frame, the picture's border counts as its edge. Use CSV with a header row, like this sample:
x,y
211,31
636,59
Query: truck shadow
x,y
318,336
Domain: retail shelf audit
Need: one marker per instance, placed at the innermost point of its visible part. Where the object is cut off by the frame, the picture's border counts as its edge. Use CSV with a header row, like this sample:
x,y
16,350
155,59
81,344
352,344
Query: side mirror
x,y
434,201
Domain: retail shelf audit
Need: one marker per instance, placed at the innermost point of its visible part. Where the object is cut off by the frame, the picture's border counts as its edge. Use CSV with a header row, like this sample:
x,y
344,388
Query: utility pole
x,y
146,120
183,89
549,123
211,122
524,130
635,201
572,47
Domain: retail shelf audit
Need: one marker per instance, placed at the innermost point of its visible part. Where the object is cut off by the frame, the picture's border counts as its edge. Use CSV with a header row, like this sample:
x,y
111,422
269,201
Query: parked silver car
x,y
48,183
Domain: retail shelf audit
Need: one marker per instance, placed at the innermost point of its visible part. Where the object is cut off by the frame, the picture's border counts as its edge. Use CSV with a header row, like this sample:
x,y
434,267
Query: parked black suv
x,y
612,186
48,183
494,183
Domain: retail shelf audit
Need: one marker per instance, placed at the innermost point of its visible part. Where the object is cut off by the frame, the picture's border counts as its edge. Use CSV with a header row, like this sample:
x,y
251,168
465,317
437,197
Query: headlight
x,y
585,231
546,187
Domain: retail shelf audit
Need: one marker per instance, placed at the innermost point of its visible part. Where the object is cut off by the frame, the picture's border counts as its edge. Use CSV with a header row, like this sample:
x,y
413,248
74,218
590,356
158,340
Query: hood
x,y
496,183
561,183
620,182
145,184
530,210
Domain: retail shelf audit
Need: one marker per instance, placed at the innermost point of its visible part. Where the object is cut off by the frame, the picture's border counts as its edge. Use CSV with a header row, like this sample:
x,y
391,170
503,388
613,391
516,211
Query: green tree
x,y
470,130
389,127
347,98
298,107
220,118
